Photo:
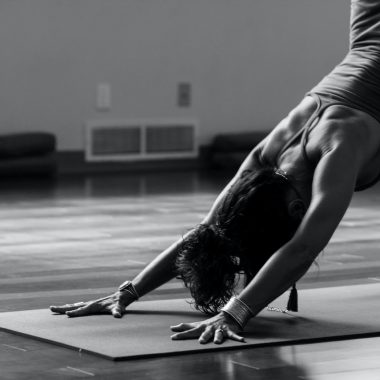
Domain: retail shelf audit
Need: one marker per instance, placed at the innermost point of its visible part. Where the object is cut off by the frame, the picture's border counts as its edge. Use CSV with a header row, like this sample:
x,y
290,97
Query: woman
x,y
283,205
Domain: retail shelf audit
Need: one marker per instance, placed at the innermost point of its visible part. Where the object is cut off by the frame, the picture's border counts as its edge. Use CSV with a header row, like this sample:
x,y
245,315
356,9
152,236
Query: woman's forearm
x,y
283,269
159,271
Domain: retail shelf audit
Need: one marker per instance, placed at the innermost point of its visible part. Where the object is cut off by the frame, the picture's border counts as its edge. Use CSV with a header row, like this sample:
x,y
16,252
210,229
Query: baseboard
x,y
73,162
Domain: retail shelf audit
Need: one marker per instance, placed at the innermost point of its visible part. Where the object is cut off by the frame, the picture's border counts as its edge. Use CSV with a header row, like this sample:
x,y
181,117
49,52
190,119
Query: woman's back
x,y
300,140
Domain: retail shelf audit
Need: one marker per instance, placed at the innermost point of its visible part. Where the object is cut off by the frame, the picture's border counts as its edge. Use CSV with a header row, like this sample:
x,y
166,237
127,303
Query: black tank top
x,y
356,80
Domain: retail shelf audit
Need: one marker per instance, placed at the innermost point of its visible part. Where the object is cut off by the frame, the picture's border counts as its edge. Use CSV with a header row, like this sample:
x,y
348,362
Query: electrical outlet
x,y
103,97
184,94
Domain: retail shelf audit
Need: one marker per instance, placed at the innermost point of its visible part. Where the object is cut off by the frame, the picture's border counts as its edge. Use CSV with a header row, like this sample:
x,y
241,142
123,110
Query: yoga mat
x,y
325,314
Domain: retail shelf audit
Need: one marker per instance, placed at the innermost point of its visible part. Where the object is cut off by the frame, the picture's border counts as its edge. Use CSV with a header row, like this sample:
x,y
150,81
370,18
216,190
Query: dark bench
x,y
27,154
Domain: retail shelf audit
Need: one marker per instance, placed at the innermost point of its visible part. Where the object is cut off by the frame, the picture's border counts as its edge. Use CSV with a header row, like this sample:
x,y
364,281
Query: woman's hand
x,y
114,304
217,329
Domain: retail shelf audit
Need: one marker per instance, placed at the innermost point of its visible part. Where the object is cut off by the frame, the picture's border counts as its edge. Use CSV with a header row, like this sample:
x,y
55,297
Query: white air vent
x,y
125,140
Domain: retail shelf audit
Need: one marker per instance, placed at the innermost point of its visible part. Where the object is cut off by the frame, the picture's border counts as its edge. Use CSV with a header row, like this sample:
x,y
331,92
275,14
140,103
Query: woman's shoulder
x,y
341,125
348,130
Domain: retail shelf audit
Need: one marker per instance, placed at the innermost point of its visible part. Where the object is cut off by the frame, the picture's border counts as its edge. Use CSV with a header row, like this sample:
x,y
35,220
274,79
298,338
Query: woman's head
x,y
258,215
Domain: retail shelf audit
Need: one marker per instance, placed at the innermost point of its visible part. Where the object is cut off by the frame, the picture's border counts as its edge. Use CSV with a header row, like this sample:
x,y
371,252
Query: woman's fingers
x,y
110,304
231,335
219,335
91,308
206,335
189,334
78,312
182,327
223,332
118,310
63,308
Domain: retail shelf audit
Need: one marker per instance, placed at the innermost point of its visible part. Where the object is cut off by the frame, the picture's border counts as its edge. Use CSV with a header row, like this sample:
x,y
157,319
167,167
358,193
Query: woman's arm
x,y
158,272
333,185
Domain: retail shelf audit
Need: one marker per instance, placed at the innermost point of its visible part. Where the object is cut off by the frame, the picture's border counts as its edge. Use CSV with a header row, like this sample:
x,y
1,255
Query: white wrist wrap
x,y
238,310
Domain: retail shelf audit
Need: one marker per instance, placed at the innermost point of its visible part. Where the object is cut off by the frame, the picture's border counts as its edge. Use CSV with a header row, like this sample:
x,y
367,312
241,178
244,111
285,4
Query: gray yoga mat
x,y
325,314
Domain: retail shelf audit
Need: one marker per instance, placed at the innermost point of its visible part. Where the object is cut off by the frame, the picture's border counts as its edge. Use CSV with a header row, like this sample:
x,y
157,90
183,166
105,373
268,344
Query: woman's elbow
x,y
303,252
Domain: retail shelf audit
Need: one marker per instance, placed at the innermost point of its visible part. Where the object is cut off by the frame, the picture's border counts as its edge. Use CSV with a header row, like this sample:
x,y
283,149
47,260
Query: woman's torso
x,y
317,133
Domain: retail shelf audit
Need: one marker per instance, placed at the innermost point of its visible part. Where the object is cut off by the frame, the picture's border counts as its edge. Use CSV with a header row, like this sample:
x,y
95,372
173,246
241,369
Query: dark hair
x,y
250,224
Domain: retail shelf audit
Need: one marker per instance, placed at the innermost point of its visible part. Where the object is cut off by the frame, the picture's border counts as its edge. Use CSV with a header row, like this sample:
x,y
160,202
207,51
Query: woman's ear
x,y
296,209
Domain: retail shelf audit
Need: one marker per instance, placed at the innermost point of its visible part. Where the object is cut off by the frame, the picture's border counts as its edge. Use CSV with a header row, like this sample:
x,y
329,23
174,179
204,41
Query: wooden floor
x,y
78,238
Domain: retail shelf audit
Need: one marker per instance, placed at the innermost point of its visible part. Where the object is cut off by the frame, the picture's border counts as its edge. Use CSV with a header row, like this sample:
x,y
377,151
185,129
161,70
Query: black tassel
x,y
293,299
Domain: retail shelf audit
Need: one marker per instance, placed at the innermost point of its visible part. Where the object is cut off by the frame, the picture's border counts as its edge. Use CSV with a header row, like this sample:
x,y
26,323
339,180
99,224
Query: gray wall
x,y
249,61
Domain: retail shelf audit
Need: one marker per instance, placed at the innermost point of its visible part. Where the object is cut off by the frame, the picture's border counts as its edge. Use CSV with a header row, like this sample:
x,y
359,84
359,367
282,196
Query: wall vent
x,y
130,140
